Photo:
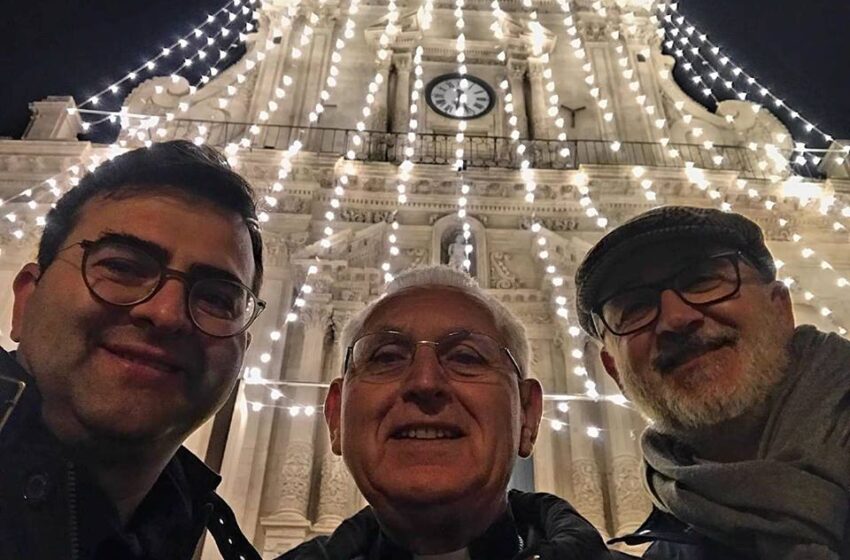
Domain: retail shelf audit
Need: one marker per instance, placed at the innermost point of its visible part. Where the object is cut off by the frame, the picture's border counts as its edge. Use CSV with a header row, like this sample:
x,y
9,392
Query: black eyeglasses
x,y
120,274
709,280
385,356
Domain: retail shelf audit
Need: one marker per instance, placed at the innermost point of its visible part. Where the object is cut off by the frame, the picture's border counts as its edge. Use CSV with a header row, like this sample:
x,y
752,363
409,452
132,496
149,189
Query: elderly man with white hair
x,y
431,411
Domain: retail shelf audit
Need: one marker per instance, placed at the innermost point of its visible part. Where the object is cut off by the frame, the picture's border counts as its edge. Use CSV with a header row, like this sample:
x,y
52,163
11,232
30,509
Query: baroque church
x,y
503,137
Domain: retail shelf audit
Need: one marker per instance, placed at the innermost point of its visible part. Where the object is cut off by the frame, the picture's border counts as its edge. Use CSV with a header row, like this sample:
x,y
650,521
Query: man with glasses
x,y
433,407
748,451
131,330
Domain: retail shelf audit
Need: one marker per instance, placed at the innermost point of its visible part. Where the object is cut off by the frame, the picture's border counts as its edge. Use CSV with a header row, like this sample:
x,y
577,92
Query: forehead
x,y
192,231
656,262
431,311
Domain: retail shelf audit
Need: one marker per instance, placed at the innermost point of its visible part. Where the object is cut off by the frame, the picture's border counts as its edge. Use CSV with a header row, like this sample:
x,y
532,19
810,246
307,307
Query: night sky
x,y
797,48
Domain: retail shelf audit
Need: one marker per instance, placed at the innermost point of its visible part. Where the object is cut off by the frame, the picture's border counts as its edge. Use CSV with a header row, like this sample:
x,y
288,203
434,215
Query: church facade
x,y
500,137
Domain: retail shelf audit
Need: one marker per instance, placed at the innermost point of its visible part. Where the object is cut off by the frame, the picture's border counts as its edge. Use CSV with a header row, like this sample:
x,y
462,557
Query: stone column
x,y
629,502
296,472
587,478
336,492
545,479
516,79
539,127
401,104
378,120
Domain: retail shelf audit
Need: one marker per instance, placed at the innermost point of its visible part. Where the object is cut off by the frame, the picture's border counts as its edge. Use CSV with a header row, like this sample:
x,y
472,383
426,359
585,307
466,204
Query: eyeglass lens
x,y
123,275
704,282
385,356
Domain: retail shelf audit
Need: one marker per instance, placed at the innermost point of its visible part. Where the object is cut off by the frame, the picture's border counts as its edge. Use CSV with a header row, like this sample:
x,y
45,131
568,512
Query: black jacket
x,y
536,526
674,540
50,509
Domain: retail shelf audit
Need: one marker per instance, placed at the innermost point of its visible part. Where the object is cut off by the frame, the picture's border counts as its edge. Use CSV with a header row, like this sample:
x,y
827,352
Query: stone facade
x,y
279,474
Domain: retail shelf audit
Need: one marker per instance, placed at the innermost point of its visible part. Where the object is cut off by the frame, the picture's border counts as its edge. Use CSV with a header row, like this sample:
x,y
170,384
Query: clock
x,y
459,96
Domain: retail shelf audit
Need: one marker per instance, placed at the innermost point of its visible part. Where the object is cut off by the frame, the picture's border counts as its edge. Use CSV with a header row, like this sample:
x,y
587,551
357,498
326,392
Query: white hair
x,y
504,319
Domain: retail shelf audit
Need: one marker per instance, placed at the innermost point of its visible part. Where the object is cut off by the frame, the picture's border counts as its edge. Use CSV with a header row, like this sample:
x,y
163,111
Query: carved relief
x,y
501,276
335,489
363,216
416,256
587,491
632,504
552,224
295,478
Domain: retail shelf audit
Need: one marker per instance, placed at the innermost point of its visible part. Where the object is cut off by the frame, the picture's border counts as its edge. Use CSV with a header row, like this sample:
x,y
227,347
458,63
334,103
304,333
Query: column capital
x,y
316,317
403,61
517,67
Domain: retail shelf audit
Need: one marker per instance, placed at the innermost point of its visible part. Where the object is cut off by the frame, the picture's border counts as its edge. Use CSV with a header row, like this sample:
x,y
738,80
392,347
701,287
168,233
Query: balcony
x,y
479,151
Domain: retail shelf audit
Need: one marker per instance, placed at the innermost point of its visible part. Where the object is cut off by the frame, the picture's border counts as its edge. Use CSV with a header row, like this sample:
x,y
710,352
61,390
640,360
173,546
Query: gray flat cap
x,y
660,225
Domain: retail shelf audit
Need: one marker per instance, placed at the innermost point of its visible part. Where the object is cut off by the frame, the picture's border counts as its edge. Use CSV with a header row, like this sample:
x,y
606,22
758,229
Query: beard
x,y
710,393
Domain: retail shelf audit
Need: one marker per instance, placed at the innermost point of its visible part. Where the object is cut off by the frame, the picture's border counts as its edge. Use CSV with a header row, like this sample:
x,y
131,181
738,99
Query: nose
x,y
167,309
675,314
426,383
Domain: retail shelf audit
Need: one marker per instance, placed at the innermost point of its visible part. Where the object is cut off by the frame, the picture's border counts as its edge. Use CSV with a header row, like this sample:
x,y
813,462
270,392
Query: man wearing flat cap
x,y
748,451
433,408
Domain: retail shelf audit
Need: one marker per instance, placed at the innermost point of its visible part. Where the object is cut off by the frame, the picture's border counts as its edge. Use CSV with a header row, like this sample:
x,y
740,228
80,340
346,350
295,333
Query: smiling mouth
x,y
426,433
146,362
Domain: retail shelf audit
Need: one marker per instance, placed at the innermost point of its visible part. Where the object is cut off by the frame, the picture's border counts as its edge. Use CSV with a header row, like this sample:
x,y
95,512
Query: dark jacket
x,y
674,540
536,526
50,508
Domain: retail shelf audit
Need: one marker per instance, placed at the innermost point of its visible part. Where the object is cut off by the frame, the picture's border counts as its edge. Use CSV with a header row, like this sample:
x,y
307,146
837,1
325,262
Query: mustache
x,y
678,348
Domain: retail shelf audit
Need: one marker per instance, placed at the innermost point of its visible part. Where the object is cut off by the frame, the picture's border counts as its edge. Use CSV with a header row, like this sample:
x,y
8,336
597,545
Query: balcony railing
x,y
479,151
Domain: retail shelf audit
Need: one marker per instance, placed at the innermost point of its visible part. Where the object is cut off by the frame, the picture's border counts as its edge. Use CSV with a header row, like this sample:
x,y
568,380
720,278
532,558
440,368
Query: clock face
x,y
459,97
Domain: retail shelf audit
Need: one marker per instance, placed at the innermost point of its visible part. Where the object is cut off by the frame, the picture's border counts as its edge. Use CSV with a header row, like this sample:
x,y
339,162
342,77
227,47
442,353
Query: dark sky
x,y
797,48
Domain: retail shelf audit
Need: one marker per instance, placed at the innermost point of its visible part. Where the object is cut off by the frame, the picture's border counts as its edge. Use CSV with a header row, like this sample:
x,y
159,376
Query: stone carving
x,y
295,478
456,253
335,489
292,205
552,224
316,317
363,216
587,491
501,276
631,505
416,256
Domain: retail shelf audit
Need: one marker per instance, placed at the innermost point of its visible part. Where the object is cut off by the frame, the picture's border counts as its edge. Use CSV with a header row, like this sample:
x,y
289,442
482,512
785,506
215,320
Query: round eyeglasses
x,y
385,356
121,274
706,281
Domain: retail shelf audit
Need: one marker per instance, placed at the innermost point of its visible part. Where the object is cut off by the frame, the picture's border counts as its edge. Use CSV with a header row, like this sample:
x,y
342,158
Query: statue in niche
x,y
455,250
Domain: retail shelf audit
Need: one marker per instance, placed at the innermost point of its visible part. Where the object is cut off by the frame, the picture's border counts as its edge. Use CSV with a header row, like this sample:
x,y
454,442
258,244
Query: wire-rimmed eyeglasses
x,y
385,356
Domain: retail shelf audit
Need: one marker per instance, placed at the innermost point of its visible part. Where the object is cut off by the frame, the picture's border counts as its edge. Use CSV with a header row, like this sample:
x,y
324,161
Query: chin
x,y
426,488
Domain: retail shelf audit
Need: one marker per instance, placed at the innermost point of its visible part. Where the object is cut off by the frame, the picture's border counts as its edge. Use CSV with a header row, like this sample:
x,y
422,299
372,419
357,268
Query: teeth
x,y
426,433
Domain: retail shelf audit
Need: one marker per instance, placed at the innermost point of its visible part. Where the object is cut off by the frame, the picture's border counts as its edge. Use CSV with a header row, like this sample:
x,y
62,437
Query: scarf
x,y
791,502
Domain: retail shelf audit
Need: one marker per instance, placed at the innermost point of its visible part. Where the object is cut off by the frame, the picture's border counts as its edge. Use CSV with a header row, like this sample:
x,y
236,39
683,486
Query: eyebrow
x,y
163,255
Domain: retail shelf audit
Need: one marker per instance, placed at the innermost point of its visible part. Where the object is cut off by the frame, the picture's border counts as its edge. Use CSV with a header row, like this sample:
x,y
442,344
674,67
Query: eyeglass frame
x,y
165,273
667,284
349,352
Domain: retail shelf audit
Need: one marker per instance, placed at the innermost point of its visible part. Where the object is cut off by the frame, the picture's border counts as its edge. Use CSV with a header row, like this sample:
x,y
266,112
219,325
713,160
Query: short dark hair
x,y
179,166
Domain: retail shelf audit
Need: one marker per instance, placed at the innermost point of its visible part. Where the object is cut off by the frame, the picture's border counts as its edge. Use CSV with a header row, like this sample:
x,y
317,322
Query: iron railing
x,y
479,151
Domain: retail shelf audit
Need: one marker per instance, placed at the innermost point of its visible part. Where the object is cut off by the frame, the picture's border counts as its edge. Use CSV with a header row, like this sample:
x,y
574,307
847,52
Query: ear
x,y
23,287
248,340
781,298
531,401
610,367
333,410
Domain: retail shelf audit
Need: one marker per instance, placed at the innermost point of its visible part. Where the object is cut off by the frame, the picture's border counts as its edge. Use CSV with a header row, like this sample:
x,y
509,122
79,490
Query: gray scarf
x,y
792,501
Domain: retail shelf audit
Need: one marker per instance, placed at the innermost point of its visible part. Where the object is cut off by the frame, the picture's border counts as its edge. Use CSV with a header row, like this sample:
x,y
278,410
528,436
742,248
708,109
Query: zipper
x,y
73,528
